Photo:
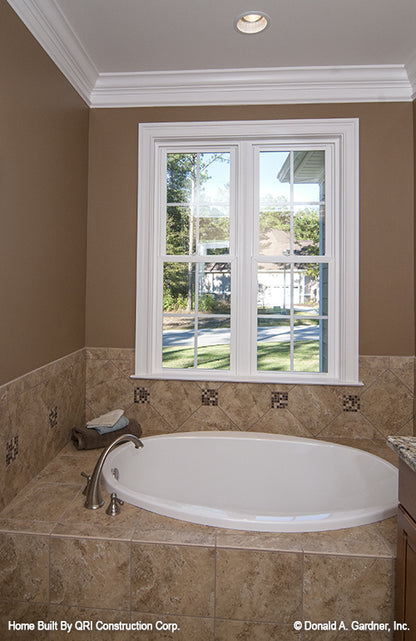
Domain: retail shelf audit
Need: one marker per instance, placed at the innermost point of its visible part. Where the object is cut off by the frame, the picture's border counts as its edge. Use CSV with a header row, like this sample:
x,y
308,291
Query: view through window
x,y
291,289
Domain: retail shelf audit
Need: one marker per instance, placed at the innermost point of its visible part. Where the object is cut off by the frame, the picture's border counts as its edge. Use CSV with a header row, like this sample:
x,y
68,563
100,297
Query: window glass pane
x,y
309,230
273,344
309,176
178,228
180,177
299,293
274,288
274,178
213,343
196,320
198,197
292,211
305,285
214,288
178,287
308,288
214,177
212,230
323,280
275,231
310,345
178,341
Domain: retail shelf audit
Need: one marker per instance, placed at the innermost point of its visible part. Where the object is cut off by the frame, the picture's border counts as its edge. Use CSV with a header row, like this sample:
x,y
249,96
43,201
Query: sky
x,y
271,189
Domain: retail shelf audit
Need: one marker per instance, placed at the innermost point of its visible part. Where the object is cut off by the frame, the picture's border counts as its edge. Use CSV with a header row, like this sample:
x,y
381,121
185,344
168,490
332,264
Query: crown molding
x,y
371,83
48,25
375,83
411,73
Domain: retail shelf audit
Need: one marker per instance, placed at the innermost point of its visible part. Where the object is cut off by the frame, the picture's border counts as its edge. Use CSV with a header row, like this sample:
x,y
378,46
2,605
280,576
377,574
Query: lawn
x,y
270,356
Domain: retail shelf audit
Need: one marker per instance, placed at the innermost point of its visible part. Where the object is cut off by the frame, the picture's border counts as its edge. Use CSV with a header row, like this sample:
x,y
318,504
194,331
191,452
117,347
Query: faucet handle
x,y
88,477
114,507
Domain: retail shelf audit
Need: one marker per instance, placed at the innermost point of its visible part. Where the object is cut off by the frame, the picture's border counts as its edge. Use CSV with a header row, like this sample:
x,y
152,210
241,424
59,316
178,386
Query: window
x,y
248,251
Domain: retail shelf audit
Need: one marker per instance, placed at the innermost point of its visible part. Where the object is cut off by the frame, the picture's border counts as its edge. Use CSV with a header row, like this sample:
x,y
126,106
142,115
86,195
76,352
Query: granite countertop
x,y
405,447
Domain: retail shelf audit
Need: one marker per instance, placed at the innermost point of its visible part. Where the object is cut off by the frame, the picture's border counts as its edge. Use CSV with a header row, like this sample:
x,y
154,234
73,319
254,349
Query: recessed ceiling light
x,y
252,22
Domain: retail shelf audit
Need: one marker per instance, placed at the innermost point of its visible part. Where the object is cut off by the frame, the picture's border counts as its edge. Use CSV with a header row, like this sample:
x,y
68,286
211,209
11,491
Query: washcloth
x,y
123,421
106,420
86,439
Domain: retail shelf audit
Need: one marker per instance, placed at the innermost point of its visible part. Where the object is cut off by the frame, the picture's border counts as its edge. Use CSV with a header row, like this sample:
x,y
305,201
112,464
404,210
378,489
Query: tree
x,y
186,173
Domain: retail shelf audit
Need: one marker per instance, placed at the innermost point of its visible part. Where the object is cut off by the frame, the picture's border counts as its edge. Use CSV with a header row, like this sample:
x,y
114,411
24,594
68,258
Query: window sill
x,y
275,378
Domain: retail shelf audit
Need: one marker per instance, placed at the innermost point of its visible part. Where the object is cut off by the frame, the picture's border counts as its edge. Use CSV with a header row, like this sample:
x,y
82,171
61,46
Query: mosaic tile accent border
x,y
141,395
279,400
209,397
53,417
351,403
12,449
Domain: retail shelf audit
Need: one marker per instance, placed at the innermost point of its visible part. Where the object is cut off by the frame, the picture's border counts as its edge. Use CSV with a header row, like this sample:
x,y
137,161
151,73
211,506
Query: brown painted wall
x,y
43,174
414,169
386,227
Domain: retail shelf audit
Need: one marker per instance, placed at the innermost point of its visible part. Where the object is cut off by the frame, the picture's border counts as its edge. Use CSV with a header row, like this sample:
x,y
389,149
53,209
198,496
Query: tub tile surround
x,y
37,413
69,563
382,405
171,570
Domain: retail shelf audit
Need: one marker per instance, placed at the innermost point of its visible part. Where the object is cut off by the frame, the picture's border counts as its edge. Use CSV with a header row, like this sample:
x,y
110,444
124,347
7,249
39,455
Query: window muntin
x,y
316,190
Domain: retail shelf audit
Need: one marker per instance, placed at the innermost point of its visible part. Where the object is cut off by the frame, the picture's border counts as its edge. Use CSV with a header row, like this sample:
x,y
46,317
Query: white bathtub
x,y
262,482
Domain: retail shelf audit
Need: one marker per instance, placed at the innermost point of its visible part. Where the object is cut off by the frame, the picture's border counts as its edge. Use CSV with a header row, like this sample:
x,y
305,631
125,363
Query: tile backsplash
x,y
38,410
382,405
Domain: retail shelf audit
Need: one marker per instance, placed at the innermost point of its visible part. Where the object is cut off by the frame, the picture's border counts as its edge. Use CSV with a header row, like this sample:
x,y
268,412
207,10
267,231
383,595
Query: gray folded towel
x,y
85,438
123,421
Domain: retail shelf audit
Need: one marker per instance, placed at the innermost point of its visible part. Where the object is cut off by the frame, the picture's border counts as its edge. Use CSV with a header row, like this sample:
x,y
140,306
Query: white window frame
x,y
341,138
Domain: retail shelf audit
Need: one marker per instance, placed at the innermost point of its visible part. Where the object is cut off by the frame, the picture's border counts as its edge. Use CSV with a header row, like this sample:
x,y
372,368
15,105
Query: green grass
x,y
270,357
276,356
212,357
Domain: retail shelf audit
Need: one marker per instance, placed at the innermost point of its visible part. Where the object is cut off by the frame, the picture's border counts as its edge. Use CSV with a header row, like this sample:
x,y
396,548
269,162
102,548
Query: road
x,y
185,338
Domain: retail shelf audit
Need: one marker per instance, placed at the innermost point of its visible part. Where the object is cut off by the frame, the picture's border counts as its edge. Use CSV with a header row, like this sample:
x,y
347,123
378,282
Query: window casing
x,y
280,306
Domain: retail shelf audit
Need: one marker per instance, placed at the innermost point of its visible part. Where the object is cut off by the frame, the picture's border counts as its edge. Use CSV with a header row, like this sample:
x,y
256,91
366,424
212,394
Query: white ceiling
x,y
125,52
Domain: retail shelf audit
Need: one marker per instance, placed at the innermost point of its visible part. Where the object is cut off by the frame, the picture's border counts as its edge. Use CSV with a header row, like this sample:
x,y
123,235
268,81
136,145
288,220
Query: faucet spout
x,y
94,499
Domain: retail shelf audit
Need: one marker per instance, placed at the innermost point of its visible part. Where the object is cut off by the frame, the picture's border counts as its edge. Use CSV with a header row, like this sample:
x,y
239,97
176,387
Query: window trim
x,y
343,134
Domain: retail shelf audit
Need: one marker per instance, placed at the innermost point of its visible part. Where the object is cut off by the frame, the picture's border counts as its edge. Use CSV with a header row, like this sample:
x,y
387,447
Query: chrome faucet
x,y
94,498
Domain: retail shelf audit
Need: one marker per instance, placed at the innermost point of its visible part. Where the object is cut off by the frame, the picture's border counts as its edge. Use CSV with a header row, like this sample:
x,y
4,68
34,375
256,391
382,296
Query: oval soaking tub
x,y
262,482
